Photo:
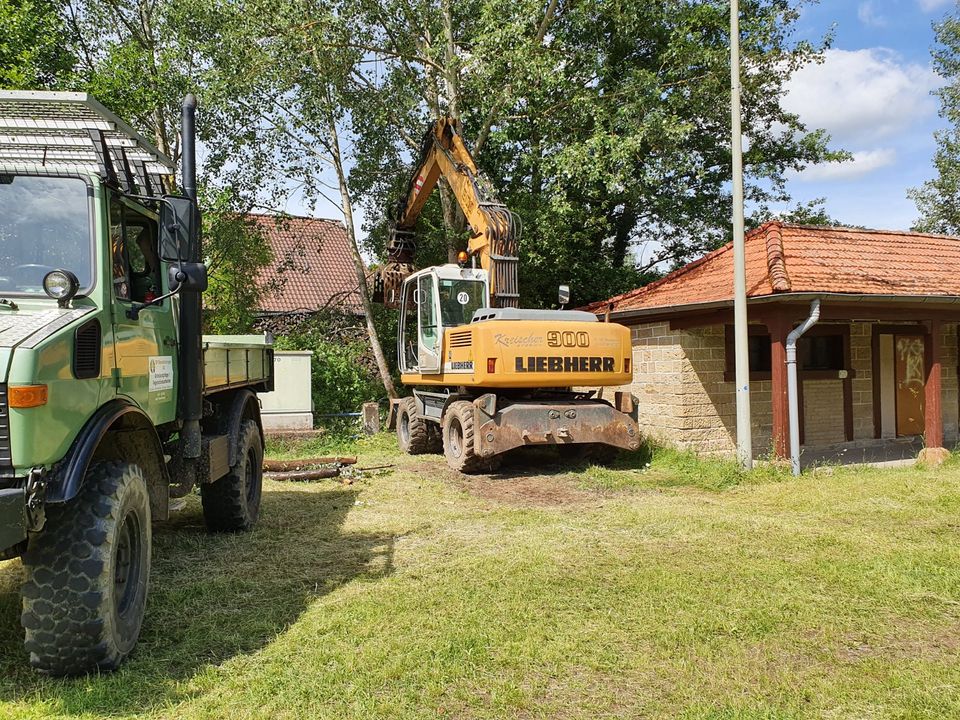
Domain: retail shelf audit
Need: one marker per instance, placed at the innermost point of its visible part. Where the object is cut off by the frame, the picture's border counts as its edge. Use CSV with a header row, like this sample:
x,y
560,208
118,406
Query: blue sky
x,y
872,94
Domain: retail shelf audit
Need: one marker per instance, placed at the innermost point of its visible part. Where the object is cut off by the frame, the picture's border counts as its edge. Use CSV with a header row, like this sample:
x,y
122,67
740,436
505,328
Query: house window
x,y
758,348
823,352
758,352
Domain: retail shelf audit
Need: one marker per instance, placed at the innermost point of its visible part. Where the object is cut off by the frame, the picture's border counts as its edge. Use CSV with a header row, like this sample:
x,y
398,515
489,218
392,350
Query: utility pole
x,y
740,334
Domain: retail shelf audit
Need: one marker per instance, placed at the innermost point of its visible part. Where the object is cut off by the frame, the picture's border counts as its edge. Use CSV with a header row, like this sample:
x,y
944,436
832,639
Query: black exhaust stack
x,y
191,302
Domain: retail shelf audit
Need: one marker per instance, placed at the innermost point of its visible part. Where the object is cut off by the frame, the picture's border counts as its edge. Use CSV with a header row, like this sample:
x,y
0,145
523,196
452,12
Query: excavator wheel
x,y
458,441
413,430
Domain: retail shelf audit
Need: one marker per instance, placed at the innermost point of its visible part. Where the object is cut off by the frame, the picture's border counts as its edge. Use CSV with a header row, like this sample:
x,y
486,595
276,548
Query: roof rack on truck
x,y
70,132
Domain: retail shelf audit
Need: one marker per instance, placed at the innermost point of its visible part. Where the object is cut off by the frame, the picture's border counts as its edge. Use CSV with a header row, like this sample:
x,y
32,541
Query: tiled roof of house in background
x,y
312,266
782,258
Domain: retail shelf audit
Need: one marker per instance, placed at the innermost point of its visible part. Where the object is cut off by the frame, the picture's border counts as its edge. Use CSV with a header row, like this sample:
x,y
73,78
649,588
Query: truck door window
x,y
136,267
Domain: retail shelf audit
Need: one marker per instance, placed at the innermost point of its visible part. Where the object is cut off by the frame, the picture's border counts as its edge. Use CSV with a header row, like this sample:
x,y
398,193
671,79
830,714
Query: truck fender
x,y
242,405
121,431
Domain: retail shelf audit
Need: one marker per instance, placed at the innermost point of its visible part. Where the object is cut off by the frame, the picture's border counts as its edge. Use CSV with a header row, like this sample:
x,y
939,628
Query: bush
x,y
340,376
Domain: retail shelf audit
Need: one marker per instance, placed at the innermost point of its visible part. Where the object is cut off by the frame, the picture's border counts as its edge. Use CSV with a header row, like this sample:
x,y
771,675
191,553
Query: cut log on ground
x,y
305,463
304,474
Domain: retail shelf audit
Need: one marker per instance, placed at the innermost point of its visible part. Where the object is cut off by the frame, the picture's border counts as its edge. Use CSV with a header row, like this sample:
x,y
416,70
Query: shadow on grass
x,y
213,597
550,460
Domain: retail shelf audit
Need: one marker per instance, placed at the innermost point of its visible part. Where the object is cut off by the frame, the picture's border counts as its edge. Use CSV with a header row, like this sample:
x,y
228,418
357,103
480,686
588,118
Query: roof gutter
x,y
789,297
793,396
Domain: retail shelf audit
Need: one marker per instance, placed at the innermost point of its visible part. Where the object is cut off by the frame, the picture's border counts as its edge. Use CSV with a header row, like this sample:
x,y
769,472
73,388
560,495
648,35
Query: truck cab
x,y
111,401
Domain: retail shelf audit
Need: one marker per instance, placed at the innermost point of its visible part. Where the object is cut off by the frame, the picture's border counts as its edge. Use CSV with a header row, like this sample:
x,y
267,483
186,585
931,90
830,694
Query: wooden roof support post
x,y
779,327
933,412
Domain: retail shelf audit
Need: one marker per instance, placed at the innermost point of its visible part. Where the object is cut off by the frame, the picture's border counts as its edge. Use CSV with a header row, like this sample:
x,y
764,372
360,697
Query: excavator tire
x,y
413,430
458,441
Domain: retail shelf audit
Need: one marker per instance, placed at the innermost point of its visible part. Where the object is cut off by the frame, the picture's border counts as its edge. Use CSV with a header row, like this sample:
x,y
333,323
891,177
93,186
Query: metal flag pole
x,y
744,440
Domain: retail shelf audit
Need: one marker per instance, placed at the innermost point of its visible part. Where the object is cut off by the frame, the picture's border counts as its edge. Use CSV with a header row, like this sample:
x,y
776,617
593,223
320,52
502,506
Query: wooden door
x,y
910,376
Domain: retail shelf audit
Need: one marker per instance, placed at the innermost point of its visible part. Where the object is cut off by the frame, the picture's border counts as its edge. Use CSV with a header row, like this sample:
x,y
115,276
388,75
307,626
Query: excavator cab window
x,y
408,328
459,299
428,351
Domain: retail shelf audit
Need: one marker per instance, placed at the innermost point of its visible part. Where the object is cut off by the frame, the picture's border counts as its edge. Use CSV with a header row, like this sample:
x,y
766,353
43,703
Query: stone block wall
x,y
861,362
683,399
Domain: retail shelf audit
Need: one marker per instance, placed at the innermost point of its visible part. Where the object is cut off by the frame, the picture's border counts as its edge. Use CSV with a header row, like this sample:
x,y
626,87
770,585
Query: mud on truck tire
x,y
232,503
87,575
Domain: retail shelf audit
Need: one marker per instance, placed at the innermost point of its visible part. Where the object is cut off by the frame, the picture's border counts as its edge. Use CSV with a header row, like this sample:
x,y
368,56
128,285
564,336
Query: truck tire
x,y
232,503
413,430
458,441
88,573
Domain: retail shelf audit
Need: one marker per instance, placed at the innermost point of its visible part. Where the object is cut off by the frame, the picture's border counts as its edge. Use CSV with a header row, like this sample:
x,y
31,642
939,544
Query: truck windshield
x,y
459,299
44,226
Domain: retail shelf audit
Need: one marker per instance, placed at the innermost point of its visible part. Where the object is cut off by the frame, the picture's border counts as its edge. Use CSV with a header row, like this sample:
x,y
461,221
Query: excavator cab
x,y
434,300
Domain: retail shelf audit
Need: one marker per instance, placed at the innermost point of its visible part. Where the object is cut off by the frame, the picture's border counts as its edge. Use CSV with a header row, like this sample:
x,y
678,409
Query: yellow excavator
x,y
488,377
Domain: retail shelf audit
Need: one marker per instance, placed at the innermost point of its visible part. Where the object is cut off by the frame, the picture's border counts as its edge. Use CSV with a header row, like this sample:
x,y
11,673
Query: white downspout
x,y
792,402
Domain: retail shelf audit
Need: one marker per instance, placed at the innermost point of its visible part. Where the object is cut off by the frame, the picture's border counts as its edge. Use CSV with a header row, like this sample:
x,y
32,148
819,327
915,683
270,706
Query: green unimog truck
x,y
111,401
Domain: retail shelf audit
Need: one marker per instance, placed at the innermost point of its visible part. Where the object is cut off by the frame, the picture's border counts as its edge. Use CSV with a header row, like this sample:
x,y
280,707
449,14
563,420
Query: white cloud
x,y
868,14
861,96
931,5
863,162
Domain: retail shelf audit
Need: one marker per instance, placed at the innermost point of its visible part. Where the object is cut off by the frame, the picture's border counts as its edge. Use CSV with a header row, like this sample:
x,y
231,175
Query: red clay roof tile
x,y
784,258
312,266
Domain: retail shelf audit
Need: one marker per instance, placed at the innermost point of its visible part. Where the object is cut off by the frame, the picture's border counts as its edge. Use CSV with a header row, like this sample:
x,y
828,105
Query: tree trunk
x,y
624,225
358,264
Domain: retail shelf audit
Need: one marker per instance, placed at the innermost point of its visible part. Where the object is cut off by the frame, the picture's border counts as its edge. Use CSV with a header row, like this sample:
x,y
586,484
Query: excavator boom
x,y
494,230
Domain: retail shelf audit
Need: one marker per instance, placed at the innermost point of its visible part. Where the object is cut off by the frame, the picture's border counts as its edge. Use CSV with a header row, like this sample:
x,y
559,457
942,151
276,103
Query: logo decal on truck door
x,y
161,373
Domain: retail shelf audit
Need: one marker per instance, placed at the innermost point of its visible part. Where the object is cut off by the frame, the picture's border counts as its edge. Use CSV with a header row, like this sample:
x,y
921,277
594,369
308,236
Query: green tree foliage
x,y
938,200
235,251
812,212
34,44
604,125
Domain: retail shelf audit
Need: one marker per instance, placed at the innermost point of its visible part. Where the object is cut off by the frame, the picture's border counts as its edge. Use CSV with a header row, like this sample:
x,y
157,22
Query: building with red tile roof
x,y
878,369
798,259
312,268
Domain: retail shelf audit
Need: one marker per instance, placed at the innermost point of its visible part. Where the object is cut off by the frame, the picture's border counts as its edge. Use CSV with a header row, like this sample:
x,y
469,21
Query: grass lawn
x,y
681,589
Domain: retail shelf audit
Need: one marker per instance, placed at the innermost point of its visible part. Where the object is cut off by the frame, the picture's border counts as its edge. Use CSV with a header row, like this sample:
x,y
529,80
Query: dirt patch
x,y
909,642
526,490
517,483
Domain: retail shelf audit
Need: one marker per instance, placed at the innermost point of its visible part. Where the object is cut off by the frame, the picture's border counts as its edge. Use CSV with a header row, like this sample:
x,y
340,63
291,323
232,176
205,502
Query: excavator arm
x,y
493,239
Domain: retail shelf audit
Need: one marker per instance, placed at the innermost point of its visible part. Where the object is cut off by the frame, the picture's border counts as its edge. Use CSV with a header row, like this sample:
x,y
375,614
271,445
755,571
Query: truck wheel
x,y
458,441
87,575
232,503
413,430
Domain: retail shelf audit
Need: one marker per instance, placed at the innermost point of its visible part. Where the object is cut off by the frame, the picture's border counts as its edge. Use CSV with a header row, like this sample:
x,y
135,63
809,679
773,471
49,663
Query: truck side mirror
x,y
564,295
187,277
178,229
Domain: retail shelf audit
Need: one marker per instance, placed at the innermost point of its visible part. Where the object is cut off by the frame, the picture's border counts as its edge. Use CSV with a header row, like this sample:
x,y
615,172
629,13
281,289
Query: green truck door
x,y
145,348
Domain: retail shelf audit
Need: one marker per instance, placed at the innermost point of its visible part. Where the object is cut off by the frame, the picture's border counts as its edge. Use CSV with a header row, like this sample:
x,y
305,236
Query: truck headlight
x,y
61,285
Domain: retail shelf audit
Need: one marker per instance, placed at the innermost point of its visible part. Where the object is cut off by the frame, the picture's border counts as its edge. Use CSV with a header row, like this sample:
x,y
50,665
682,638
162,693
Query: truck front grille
x,y
6,459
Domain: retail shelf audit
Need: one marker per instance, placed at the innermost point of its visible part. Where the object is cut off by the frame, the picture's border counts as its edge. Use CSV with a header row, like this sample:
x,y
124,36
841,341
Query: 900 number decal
x,y
567,338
